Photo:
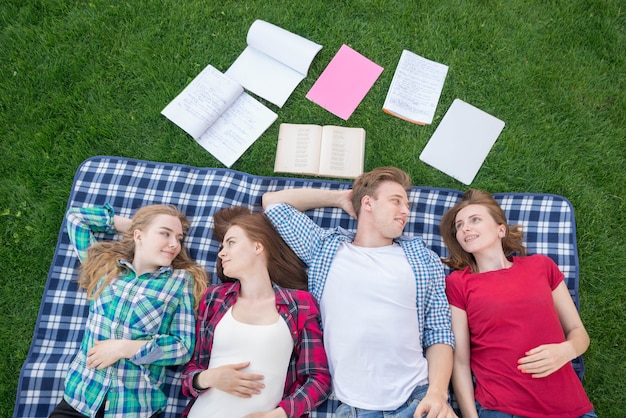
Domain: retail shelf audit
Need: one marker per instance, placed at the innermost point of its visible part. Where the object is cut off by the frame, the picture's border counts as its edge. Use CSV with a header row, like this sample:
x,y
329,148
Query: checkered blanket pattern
x,y
199,192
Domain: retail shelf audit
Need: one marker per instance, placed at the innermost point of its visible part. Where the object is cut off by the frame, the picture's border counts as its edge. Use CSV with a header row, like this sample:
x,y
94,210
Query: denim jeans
x,y
406,410
488,413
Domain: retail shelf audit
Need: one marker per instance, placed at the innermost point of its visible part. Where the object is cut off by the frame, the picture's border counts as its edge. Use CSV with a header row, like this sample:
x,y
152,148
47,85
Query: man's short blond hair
x,y
367,183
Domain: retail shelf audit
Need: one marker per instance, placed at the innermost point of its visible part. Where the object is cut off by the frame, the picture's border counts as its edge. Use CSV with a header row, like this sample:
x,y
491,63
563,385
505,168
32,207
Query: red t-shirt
x,y
509,312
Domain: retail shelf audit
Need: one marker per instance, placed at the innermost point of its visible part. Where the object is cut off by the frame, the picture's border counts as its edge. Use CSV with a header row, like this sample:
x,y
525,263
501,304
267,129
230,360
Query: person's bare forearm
x,y
440,360
306,198
464,390
578,341
435,402
121,224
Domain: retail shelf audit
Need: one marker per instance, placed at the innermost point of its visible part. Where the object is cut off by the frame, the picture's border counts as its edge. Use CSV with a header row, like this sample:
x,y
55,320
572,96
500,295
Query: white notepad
x,y
462,141
274,62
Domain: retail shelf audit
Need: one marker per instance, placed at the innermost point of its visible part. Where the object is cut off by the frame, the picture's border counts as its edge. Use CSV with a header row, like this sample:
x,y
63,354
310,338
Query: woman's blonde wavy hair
x,y
103,257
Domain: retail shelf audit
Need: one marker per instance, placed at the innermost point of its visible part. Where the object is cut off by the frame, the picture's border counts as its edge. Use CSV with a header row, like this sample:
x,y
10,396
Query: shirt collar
x,y
162,271
350,235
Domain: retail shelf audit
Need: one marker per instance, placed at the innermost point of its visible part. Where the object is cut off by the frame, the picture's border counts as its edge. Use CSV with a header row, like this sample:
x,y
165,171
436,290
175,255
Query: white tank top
x,y
371,332
268,349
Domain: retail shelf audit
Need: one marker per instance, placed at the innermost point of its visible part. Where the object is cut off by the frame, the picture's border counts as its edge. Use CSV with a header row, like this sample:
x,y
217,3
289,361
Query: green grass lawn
x,y
85,78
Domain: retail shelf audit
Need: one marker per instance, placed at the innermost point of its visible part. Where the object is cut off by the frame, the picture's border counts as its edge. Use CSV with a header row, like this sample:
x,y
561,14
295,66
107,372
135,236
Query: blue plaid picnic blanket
x,y
199,192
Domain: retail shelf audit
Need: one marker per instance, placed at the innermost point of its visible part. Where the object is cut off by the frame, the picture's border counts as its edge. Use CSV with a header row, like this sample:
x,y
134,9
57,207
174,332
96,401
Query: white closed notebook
x,y
462,141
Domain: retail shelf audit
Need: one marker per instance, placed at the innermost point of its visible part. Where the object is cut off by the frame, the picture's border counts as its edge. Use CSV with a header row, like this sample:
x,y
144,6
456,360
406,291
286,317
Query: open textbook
x,y
219,115
331,151
415,88
273,63
462,141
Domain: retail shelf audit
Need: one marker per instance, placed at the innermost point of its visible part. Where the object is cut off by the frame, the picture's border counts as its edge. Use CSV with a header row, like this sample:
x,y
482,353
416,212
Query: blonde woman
x,y
142,290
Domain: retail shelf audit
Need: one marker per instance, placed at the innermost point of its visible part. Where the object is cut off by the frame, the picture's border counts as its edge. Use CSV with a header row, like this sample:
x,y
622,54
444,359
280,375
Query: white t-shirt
x,y
371,332
268,349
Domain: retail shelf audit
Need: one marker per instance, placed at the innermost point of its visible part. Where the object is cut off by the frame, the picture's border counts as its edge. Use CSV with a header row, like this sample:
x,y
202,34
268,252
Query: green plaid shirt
x,y
156,307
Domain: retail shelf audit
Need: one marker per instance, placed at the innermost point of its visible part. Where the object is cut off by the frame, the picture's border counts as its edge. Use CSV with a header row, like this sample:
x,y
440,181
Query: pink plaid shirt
x,y
308,379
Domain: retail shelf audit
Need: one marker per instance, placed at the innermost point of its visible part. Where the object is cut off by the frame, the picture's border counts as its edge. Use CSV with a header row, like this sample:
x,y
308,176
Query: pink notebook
x,y
344,82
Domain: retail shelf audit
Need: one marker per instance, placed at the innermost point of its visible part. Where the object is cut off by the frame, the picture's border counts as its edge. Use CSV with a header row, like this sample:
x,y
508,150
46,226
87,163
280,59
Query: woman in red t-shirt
x,y
514,322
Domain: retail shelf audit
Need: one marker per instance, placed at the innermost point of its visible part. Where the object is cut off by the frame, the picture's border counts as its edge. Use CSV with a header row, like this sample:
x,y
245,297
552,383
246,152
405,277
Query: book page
x,y
344,82
286,47
238,127
462,141
298,149
202,101
415,88
274,62
343,152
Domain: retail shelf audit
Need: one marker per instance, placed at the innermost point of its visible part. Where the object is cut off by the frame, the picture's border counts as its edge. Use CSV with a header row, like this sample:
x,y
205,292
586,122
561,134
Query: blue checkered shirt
x,y
317,247
156,307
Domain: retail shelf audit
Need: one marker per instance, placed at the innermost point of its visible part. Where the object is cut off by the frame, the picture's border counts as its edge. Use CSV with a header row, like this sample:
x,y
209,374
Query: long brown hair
x,y
512,242
102,257
284,266
367,183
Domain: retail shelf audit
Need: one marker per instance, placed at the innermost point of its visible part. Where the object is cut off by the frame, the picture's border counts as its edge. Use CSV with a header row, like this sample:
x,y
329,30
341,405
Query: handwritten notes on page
x,y
415,88
274,62
239,126
462,141
219,115
344,82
